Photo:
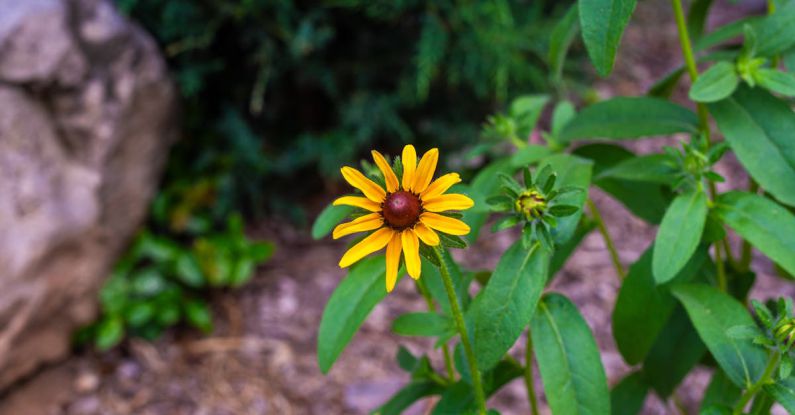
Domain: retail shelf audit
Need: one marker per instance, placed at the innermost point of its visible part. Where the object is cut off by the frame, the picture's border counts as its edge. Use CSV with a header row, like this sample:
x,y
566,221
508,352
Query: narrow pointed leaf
x,y
568,359
679,234
328,219
713,313
629,118
349,305
628,396
765,224
502,310
603,23
759,127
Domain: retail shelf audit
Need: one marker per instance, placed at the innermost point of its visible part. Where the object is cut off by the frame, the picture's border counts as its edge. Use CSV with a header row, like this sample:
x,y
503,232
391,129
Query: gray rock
x,y
87,114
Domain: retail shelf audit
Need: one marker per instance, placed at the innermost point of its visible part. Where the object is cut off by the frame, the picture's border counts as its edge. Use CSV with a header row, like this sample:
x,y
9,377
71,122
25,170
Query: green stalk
x,y
477,384
448,358
608,240
528,375
703,116
752,391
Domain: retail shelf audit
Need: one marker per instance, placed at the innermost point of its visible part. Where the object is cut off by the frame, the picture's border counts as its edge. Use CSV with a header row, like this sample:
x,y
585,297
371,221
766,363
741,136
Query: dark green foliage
x,y
159,282
274,91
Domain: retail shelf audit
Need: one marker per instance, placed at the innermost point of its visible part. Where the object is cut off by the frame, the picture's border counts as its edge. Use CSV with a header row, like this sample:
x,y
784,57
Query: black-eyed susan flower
x,y
404,214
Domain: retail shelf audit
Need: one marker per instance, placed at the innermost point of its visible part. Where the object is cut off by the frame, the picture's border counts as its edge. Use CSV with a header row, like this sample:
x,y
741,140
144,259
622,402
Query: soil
x,y
261,357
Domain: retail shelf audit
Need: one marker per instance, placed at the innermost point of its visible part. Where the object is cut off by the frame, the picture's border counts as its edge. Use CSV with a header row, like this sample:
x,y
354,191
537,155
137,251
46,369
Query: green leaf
x,y
410,393
348,307
109,332
765,224
526,110
713,313
715,84
563,252
697,18
568,359
720,392
725,33
679,234
783,394
776,33
603,23
501,311
483,186
628,396
572,172
652,168
758,127
199,316
776,81
560,40
628,118
188,270
675,353
524,157
643,308
328,219
561,115
459,399
422,324
645,200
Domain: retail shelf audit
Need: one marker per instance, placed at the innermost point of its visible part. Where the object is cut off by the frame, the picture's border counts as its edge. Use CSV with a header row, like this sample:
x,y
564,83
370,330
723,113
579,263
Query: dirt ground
x,y
261,357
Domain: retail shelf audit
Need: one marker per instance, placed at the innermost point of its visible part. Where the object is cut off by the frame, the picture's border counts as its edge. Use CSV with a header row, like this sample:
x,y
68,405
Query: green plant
x,y
162,280
682,304
278,90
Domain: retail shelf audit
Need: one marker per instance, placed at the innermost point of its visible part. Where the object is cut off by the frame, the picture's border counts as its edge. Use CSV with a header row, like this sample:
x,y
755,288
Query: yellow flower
x,y
403,214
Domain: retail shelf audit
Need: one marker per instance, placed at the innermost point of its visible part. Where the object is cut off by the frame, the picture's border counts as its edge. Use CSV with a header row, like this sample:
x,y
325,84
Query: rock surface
x,y
87,114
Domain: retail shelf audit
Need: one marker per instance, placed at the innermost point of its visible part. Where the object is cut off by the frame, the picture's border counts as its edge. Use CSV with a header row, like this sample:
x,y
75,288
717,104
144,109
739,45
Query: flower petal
x,y
444,224
425,170
426,234
367,246
440,186
392,261
409,159
411,252
361,224
360,202
451,201
392,184
370,189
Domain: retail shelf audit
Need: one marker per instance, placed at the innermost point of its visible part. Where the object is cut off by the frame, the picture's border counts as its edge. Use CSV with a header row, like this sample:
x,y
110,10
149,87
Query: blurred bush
x,y
279,90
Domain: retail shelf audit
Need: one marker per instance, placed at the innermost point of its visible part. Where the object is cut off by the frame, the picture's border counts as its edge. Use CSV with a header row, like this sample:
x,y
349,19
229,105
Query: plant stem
x,y
690,60
703,116
477,384
528,375
608,240
751,392
722,285
448,359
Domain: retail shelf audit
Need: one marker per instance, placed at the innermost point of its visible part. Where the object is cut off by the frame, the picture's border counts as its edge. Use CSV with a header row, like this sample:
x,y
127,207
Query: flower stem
x,y
455,308
608,240
448,359
751,392
528,375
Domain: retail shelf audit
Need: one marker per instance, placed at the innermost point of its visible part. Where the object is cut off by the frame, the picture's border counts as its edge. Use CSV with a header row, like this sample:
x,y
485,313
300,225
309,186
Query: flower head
x,y
533,206
407,212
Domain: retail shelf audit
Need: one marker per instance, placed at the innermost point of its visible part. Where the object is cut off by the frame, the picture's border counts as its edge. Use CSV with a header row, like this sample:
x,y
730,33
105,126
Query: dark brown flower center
x,y
402,209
